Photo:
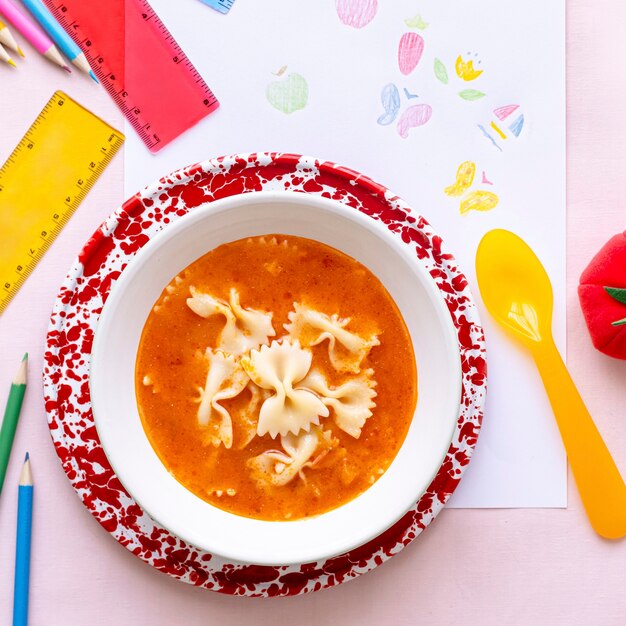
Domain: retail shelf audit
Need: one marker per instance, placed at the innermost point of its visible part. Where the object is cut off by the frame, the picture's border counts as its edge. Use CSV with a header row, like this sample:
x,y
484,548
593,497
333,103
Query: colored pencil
x,y
11,417
4,56
38,39
7,39
22,545
46,20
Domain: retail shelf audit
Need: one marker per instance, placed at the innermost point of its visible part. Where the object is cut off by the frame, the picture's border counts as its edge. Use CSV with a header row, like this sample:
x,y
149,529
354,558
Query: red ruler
x,y
138,61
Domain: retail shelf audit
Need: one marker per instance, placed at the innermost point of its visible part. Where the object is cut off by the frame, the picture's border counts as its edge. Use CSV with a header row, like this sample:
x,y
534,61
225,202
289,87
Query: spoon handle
x,y
601,488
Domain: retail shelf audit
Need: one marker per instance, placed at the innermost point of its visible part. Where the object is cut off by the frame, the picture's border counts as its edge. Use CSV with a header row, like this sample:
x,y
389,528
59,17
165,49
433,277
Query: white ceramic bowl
x,y
115,407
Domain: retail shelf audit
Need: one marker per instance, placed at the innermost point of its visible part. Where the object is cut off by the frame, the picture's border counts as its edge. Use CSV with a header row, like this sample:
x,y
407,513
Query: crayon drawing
x,y
288,95
476,200
412,117
466,70
416,22
356,13
501,128
390,99
410,49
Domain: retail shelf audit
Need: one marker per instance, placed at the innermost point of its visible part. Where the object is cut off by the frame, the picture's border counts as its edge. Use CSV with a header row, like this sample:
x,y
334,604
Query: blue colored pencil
x,y
46,20
22,546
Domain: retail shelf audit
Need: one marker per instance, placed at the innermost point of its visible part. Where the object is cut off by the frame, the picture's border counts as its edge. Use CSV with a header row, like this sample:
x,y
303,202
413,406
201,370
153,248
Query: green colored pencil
x,y
11,417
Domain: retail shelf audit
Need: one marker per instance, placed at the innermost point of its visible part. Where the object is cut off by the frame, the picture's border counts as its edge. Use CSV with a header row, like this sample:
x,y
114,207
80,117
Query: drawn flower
x,y
465,69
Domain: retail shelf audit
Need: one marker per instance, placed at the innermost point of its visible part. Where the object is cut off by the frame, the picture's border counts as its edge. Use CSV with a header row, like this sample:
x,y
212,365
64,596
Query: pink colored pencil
x,y
29,29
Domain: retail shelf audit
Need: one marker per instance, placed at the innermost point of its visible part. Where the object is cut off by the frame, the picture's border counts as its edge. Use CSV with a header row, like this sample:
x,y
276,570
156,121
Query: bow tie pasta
x,y
244,329
278,467
275,378
225,379
352,402
312,327
278,367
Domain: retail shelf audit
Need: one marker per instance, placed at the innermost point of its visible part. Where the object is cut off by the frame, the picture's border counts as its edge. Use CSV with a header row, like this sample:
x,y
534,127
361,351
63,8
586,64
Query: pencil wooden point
x,y
26,476
7,39
4,56
20,377
81,63
54,55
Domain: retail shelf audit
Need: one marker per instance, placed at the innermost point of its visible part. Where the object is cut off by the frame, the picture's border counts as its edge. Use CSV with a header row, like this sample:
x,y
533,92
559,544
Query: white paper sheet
x,y
519,460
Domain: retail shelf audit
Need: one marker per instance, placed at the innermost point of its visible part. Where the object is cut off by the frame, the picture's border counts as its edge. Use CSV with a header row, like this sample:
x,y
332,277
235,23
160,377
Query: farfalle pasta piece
x,y
278,367
312,327
245,329
351,402
248,418
225,379
278,467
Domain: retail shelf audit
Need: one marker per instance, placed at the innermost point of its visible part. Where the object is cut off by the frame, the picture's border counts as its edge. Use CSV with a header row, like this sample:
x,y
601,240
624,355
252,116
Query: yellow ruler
x,y
44,180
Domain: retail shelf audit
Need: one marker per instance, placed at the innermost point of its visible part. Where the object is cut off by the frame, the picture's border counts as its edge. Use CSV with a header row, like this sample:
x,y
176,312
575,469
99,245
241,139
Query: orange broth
x,y
271,273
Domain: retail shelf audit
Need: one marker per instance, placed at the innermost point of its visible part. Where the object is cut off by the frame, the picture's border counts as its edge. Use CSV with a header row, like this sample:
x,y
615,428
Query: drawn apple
x,y
356,13
288,95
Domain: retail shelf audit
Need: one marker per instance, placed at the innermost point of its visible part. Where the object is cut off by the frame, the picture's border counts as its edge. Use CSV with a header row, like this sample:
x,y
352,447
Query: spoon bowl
x,y
515,286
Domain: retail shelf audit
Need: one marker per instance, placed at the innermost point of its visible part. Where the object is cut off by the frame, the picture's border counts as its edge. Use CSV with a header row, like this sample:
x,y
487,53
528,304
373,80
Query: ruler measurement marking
x,y
57,217
63,14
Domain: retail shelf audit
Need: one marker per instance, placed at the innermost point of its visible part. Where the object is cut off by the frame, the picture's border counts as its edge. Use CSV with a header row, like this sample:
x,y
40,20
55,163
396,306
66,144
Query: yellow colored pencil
x,y
4,56
7,39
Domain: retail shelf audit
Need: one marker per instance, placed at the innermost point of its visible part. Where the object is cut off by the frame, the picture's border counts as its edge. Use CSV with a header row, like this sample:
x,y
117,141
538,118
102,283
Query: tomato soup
x,y
275,378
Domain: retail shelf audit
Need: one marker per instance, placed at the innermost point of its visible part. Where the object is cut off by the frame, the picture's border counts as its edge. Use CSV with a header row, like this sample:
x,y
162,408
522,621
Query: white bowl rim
x,y
136,265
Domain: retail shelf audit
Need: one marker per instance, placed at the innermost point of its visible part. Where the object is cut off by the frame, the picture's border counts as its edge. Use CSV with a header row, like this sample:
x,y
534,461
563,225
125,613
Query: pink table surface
x,y
472,566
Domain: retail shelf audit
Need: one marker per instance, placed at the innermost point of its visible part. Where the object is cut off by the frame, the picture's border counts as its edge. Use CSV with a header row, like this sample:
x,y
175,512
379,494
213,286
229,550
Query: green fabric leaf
x,y
441,72
616,294
471,94
619,323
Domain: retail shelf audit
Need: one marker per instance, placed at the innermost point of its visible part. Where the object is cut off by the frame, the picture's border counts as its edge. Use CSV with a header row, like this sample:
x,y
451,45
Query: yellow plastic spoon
x,y
516,290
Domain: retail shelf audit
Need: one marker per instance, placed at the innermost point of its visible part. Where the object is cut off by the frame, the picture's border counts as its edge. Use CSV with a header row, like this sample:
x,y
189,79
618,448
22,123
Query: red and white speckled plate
x,y
76,313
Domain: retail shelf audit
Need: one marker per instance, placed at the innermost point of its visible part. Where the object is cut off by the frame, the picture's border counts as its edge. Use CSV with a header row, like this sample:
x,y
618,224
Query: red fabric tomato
x,y
602,294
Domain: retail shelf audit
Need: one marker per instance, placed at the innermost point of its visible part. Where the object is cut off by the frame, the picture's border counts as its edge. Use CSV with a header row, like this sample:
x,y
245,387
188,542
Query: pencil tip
x,y
22,371
26,475
21,52
67,69
94,77
12,63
